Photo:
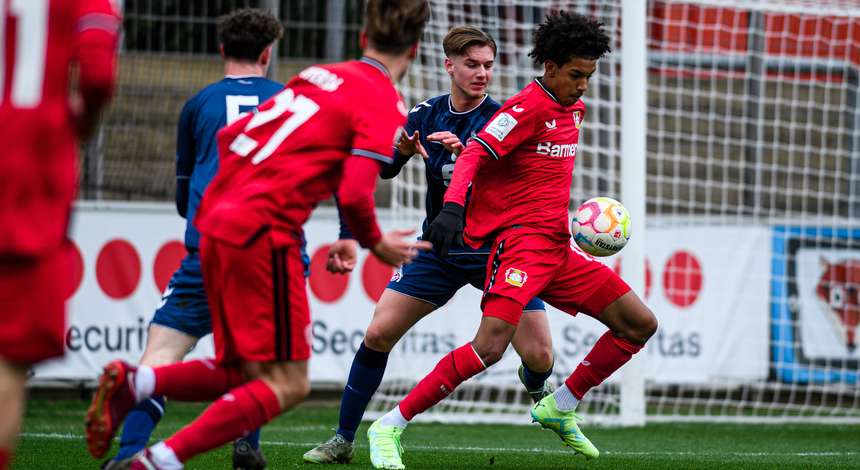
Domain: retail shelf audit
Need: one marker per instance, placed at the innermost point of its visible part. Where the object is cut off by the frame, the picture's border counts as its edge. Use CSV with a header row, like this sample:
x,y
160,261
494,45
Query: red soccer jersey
x,y
278,164
534,138
39,40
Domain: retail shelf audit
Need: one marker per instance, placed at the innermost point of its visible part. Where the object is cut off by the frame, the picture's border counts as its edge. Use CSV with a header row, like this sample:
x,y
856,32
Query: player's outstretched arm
x,y
449,140
406,148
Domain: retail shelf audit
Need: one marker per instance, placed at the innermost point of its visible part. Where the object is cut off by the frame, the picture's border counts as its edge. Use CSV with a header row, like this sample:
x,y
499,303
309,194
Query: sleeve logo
x,y
501,126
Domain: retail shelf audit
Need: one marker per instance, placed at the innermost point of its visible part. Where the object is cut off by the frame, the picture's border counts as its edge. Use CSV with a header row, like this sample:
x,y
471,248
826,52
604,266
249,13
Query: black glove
x,y
446,230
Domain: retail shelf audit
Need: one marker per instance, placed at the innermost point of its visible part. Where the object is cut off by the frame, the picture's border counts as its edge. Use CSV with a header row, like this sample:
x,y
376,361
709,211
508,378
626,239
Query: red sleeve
x,y
97,35
355,195
376,127
509,128
466,167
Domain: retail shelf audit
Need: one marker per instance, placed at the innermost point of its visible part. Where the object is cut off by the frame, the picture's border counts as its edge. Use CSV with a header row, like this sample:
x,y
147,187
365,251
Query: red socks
x,y
608,355
198,380
451,371
235,414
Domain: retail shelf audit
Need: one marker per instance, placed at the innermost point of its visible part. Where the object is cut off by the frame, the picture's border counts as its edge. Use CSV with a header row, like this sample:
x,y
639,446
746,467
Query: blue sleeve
x,y
345,232
185,156
393,169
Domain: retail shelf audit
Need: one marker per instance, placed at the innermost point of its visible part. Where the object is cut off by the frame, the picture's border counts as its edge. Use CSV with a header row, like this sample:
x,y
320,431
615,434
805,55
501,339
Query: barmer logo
x,y
556,150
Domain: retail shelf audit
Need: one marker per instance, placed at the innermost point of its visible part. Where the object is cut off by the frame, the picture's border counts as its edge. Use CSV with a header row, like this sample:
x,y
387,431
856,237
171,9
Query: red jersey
x,y
534,139
276,165
40,40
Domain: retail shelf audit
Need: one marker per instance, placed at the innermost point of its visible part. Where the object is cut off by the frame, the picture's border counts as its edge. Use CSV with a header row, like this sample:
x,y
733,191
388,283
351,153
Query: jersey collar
x,y
546,90
242,77
376,64
460,113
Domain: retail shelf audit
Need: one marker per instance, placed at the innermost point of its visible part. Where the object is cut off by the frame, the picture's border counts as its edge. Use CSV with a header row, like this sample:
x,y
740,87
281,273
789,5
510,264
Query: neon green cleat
x,y
563,423
385,448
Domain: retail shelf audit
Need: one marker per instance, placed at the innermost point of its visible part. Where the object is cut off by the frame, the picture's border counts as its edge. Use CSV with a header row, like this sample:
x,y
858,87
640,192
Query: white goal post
x,y
729,129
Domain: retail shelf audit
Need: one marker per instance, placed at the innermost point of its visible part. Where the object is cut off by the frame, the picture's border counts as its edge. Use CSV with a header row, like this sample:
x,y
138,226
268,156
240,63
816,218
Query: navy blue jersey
x,y
434,115
196,149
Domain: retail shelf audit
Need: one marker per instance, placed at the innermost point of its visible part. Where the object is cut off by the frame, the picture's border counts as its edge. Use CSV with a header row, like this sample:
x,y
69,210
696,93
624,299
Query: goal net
x,y
752,185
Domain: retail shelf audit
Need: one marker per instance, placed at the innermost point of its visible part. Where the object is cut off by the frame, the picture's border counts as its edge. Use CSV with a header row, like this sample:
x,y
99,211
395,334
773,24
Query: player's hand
x,y
394,250
342,256
446,230
410,145
448,140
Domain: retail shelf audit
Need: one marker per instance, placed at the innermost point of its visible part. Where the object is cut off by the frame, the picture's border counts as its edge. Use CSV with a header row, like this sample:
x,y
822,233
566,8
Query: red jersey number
x,y
301,107
31,39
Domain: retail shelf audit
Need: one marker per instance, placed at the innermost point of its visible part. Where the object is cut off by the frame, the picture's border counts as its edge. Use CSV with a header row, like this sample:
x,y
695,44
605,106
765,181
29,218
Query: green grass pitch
x,y
52,438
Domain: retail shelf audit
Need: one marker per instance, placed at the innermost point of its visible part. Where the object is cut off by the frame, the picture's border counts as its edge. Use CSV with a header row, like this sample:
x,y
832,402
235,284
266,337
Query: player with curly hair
x,y
520,169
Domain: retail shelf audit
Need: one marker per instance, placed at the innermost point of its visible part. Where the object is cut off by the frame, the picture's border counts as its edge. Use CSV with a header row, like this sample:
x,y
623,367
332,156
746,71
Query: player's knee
x,y
644,327
377,339
290,392
539,358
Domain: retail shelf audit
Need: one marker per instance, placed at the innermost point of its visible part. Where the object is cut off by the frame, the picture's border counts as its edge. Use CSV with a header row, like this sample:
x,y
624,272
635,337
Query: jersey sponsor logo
x,y
556,150
501,126
517,109
550,124
322,78
577,119
516,277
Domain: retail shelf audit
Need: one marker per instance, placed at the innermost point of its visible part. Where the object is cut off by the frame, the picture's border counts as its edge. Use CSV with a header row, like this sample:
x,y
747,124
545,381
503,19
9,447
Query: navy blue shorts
x,y
184,306
435,280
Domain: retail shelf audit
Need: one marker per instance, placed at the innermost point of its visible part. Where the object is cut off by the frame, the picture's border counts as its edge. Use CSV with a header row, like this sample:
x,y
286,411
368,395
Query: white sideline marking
x,y
69,436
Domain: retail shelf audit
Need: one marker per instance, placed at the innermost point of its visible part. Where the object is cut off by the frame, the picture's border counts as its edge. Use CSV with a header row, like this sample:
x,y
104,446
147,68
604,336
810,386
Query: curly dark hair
x,y
393,26
563,36
247,32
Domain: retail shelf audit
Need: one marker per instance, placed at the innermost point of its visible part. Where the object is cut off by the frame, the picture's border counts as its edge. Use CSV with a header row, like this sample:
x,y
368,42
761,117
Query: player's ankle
x,y
143,383
394,418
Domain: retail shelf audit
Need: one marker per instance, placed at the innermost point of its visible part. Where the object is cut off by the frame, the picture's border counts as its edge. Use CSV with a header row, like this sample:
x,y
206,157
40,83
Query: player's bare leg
x,y
165,346
533,343
13,378
630,324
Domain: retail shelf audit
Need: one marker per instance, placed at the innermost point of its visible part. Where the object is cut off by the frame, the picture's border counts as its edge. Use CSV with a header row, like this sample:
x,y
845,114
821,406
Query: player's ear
x,y
265,56
449,66
413,53
362,39
221,50
550,69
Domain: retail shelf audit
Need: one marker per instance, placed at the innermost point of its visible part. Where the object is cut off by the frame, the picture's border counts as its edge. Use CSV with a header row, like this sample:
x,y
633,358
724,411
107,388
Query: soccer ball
x,y
601,226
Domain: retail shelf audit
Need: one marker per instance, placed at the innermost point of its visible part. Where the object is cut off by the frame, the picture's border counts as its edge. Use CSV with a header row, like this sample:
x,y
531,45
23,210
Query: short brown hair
x,y
393,26
245,33
461,38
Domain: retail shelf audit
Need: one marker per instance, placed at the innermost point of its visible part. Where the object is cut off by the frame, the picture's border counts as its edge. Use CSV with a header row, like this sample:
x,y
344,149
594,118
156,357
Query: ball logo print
x,y
601,226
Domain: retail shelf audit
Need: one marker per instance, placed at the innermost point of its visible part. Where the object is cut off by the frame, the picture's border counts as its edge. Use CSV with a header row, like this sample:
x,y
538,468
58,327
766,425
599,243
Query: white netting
x,y
752,160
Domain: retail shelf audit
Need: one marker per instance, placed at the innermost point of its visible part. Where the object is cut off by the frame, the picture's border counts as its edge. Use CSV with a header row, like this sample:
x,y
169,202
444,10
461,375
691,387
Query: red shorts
x,y
258,301
526,265
33,294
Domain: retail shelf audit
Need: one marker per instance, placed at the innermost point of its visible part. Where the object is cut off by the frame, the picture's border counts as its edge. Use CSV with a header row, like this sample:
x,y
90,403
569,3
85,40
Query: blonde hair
x,y
461,38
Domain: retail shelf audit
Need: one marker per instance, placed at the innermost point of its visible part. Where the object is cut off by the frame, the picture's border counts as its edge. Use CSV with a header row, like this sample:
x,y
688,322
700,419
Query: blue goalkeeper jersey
x,y
196,148
434,115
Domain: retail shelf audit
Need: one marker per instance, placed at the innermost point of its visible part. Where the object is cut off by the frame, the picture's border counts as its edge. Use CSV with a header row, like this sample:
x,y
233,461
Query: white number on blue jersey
x,y
235,102
31,43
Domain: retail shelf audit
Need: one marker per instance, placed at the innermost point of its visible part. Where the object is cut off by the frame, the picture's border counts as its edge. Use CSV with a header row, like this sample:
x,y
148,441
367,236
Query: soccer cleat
x,y
536,395
142,461
113,399
335,450
112,464
246,457
385,448
563,423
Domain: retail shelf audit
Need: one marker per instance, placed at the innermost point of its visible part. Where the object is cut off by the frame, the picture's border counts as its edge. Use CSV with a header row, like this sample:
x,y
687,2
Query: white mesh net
x,y
753,194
